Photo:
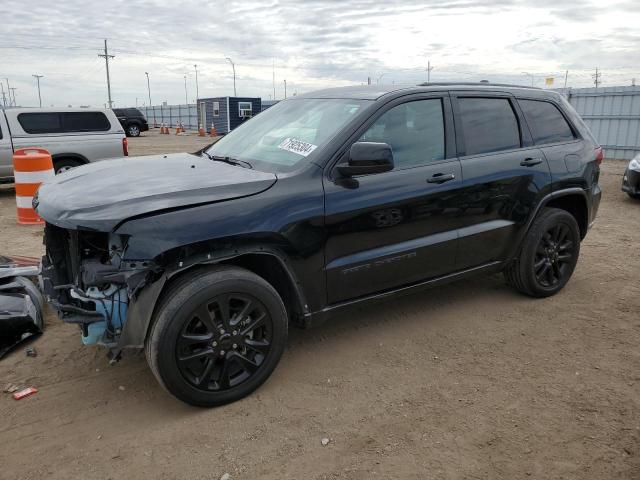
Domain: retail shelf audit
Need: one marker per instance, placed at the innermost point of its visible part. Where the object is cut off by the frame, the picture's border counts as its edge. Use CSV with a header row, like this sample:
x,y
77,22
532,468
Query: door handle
x,y
530,162
441,178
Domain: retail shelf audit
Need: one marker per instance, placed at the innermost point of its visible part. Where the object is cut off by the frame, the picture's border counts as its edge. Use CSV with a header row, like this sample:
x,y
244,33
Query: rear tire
x,y
63,164
635,196
548,256
217,336
133,130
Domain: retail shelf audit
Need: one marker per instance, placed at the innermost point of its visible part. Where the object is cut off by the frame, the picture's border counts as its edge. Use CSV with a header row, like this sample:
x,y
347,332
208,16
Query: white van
x,y
72,136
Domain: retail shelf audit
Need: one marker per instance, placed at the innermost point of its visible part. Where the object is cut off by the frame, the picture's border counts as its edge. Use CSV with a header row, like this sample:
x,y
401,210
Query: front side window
x,y
489,125
546,122
216,109
414,130
287,135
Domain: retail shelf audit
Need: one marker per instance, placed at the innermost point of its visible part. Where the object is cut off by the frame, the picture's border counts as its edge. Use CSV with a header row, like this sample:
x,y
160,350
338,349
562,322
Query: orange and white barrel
x,y
31,167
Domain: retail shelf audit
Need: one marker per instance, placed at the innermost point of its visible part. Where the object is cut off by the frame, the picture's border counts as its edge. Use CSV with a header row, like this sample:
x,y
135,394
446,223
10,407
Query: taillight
x,y
599,155
125,147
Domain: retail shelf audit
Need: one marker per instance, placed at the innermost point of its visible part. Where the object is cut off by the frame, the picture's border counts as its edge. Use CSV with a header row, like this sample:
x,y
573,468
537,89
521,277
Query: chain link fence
x,y
170,115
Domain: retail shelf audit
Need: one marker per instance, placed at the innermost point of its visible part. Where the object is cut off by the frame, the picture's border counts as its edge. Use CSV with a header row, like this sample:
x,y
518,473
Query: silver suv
x,y
72,136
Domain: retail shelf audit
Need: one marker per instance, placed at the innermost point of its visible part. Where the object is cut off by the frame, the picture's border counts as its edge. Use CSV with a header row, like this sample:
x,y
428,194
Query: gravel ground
x,y
470,380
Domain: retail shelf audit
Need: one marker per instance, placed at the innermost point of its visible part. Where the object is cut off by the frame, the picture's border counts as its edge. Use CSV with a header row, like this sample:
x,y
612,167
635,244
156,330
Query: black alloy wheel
x,y
218,334
554,256
548,255
224,341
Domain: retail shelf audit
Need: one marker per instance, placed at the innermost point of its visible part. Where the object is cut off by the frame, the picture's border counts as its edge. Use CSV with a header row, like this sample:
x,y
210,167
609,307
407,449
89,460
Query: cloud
x,y
313,44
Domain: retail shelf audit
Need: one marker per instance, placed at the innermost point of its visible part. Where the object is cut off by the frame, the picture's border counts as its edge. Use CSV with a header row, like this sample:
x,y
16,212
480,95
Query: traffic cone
x,y
31,167
166,129
213,132
177,128
201,131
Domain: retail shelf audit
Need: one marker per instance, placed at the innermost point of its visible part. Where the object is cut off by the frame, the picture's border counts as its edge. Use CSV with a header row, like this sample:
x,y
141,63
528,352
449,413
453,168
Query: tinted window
x,y
415,131
134,112
119,112
40,122
85,122
546,122
64,122
489,125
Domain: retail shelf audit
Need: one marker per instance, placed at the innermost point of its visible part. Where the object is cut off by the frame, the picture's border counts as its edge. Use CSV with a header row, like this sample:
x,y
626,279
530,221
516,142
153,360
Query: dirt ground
x,y
471,381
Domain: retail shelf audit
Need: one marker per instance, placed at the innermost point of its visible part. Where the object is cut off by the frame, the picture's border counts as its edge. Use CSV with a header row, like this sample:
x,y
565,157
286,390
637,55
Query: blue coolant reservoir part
x,y
117,310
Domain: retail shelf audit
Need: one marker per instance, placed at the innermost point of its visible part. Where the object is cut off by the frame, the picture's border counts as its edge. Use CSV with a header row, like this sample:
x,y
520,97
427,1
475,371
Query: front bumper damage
x,y
21,303
85,279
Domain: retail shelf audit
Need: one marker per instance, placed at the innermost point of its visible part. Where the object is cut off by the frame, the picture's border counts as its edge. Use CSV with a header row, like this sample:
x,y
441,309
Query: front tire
x,y
217,336
549,255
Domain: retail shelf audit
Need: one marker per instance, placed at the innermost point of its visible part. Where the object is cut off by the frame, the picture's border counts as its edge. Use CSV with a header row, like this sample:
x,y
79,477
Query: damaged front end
x,y
21,303
85,279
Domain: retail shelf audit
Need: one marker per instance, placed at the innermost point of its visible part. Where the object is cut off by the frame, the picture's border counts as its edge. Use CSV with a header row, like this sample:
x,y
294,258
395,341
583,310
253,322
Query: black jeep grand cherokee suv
x,y
132,120
323,201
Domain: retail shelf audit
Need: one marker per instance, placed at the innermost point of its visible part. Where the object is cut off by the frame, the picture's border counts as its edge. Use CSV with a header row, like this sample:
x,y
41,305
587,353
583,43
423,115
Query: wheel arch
x,y
573,201
73,156
264,262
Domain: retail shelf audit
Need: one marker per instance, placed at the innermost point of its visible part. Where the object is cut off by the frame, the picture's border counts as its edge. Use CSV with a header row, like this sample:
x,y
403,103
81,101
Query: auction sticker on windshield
x,y
297,146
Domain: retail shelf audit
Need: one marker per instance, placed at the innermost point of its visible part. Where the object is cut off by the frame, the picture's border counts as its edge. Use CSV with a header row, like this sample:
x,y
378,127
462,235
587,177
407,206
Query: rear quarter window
x,y
64,122
546,122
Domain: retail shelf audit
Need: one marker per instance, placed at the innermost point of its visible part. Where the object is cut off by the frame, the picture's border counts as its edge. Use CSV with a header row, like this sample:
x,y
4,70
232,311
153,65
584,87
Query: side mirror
x,y
366,158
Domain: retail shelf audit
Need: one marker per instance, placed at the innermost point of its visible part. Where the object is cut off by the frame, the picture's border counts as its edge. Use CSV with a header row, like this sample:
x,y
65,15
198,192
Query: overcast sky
x,y
314,44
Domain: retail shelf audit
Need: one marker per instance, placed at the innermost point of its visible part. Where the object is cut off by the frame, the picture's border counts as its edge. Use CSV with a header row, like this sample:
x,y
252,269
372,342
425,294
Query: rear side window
x,y
489,125
546,122
134,112
64,122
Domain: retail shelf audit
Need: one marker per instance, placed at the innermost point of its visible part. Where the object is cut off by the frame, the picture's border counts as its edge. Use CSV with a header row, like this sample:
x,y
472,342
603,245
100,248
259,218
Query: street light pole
x,y
234,76
530,75
186,96
197,91
285,89
38,77
149,91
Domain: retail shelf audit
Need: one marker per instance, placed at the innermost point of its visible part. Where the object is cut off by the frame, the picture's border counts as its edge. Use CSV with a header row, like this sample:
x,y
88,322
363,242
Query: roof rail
x,y
438,84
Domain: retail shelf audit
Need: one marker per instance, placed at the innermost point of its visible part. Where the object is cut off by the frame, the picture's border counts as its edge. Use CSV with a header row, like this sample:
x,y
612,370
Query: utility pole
x,y
4,98
13,90
285,89
186,96
8,91
596,78
566,76
234,76
38,77
106,57
429,68
274,78
197,91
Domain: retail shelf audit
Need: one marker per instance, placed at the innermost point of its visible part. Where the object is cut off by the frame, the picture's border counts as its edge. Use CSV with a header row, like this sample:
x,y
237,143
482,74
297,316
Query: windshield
x,y
285,136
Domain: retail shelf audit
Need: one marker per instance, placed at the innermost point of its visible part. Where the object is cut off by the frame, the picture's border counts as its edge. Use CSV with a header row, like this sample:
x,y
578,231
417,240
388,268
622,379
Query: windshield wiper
x,y
229,160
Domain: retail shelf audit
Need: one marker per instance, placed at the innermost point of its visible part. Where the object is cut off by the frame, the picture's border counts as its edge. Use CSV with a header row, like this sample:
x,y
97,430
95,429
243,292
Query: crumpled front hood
x,y
101,195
